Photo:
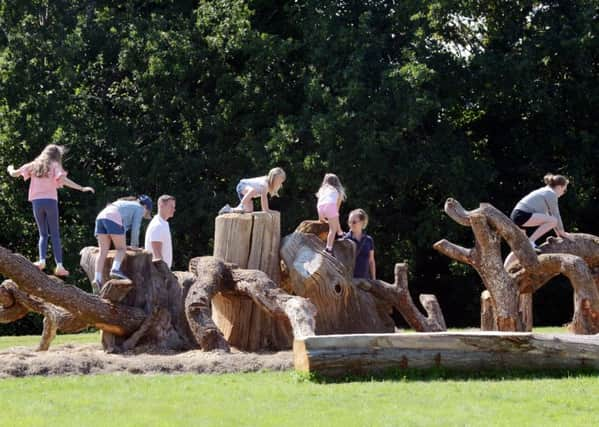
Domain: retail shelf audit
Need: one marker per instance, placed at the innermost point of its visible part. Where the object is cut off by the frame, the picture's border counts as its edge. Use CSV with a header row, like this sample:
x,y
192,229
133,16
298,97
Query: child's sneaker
x,y
329,252
118,274
225,209
535,247
96,286
61,272
41,265
340,236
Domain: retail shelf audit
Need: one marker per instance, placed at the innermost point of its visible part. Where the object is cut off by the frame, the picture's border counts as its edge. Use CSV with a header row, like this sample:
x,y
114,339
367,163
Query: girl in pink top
x,y
330,196
47,176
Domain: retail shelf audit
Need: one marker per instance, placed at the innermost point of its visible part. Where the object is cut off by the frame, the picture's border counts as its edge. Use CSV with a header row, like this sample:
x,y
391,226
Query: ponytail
x,y
555,180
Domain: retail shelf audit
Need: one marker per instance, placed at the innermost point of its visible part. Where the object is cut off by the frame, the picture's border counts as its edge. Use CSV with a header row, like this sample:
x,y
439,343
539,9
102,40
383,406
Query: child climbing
x,y
539,209
133,210
365,266
250,188
112,224
47,176
330,196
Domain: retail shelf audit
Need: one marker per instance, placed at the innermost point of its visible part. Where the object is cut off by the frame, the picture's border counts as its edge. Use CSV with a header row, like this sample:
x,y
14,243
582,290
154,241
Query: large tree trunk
x,y
344,304
574,259
250,241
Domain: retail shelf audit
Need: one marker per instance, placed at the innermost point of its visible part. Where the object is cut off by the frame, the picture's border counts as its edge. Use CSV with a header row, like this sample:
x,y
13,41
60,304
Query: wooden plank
x,y
334,355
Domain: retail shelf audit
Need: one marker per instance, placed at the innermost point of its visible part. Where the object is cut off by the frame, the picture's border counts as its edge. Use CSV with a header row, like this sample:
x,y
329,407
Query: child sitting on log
x,y
330,196
47,176
250,188
365,266
112,224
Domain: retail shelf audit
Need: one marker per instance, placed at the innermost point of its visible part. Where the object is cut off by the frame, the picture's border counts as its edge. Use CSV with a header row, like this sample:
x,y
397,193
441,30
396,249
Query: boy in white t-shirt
x,y
158,234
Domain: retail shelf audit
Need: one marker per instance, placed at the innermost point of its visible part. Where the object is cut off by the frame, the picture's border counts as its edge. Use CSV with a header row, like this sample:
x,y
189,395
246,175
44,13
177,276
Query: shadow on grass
x,y
441,374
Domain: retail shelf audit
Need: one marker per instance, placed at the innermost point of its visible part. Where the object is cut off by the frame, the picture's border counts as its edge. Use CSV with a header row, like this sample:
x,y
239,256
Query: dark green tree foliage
x,y
408,102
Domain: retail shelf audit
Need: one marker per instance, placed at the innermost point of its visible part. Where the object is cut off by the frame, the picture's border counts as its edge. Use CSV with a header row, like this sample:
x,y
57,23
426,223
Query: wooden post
x,y
251,241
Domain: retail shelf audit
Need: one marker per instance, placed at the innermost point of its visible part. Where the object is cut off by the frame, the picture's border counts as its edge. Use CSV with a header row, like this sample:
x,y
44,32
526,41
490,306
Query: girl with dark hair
x,y
540,209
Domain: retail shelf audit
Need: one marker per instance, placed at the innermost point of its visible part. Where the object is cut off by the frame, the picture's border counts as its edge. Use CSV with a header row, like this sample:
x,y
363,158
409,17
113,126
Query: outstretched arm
x,y
71,184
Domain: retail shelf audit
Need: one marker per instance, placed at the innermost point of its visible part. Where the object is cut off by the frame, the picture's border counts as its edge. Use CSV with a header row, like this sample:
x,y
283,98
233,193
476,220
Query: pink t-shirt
x,y
44,187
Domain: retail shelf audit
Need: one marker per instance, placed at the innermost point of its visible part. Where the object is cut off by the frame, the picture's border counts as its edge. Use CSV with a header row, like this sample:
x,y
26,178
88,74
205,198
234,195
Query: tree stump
x,y
250,241
346,305
574,258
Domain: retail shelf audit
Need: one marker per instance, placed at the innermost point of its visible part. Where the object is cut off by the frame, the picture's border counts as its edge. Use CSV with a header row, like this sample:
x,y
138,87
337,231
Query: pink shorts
x,y
328,210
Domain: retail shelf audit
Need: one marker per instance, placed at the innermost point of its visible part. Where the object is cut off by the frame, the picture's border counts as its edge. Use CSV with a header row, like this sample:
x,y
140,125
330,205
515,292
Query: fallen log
x,y
338,355
115,318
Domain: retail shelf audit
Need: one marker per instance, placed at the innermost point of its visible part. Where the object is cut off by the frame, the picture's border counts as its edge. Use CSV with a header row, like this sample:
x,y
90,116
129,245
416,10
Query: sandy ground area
x,y
85,359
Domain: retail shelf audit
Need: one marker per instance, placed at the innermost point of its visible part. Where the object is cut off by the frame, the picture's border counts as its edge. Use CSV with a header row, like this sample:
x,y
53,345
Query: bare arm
x,y
264,202
156,251
372,264
71,184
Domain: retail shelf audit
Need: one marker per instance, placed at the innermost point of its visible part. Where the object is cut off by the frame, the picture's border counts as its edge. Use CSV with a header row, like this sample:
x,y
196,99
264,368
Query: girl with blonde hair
x,y
46,176
250,188
330,196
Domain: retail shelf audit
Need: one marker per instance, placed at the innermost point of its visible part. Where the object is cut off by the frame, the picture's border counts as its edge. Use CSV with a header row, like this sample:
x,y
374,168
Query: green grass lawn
x,y
34,340
283,399
289,399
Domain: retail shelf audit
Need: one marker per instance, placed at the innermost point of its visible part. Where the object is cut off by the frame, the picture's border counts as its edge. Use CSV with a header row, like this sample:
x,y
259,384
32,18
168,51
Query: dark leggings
x,y
45,212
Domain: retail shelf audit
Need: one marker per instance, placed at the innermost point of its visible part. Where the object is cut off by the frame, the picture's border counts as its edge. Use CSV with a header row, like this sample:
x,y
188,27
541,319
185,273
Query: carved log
x,y
336,355
344,304
251,241
530,272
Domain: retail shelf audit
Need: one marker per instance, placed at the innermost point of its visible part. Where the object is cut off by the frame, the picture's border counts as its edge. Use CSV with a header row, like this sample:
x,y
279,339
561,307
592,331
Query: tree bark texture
x,y
250,241
344,304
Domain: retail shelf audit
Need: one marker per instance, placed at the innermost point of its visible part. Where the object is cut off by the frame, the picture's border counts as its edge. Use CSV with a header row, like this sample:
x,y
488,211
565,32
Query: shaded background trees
x,y
408,102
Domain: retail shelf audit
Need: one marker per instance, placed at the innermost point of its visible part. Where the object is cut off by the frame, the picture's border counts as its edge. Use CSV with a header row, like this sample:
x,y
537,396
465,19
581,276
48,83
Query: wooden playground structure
x,y
259,292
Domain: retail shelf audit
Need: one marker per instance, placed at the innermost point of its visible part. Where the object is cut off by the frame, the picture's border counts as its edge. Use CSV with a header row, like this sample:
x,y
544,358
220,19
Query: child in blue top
x,y
365,267
112,224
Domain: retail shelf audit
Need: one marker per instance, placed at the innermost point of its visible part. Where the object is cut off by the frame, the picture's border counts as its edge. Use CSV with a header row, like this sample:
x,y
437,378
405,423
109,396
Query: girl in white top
x,y
250,188
330,196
